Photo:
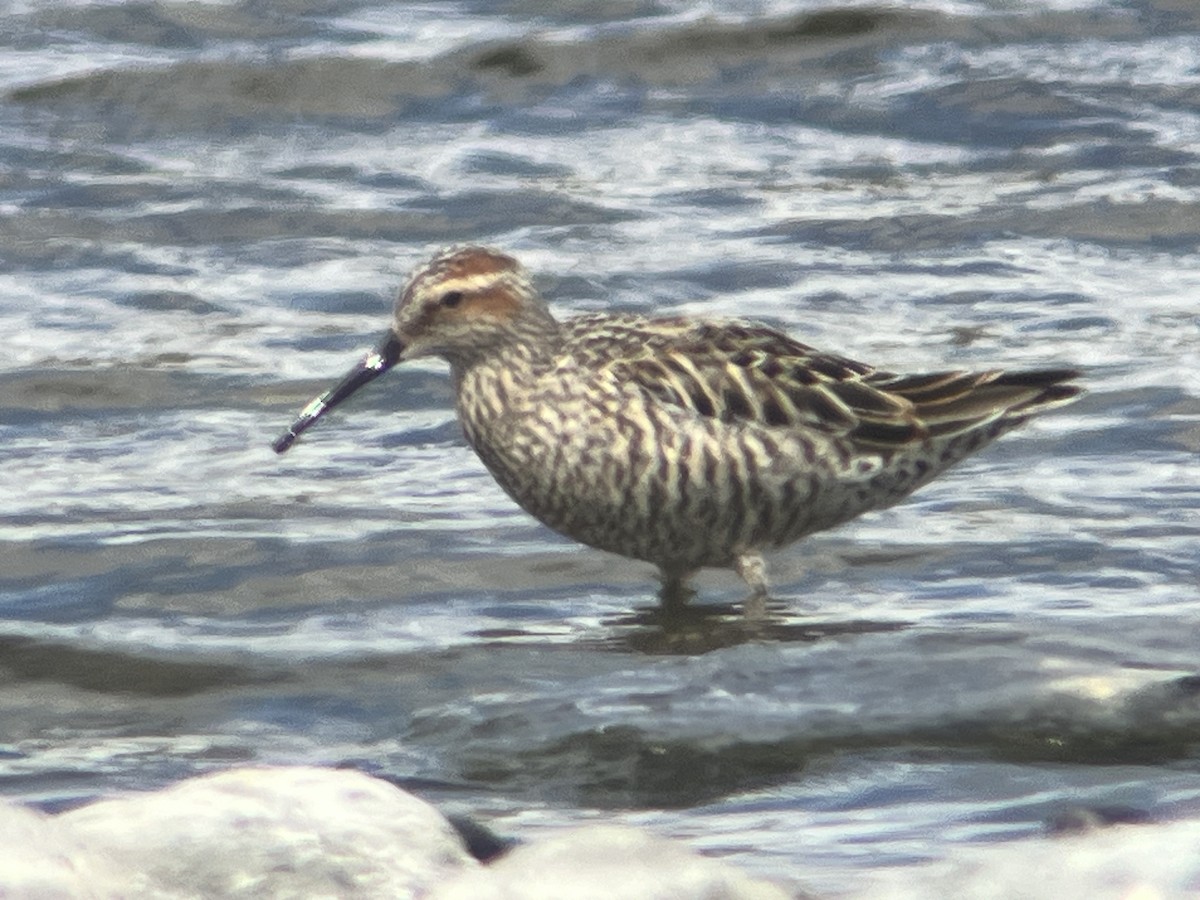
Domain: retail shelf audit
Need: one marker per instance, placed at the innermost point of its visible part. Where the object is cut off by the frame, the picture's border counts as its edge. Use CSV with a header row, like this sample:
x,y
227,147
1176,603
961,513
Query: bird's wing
x,y
744,373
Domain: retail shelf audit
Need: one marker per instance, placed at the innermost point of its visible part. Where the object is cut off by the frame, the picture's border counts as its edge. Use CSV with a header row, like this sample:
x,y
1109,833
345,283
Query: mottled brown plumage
x,y
684,442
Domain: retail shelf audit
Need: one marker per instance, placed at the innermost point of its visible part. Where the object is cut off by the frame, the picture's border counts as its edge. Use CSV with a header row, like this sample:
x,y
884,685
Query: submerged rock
x,y
606,862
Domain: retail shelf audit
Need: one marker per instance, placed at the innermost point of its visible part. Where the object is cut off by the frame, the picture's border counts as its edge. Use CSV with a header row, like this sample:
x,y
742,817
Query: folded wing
x,y
740,373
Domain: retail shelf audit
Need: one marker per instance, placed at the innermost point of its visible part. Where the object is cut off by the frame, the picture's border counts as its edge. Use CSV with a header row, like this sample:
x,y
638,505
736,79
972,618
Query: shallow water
x,y
206,209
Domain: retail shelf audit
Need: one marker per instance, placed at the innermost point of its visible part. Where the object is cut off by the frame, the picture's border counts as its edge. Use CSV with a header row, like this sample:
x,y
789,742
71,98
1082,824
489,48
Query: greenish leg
x,y
753,569
675,592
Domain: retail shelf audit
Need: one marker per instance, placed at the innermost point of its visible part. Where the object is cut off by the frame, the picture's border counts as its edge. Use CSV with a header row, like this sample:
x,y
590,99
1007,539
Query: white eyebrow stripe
x,y
471,282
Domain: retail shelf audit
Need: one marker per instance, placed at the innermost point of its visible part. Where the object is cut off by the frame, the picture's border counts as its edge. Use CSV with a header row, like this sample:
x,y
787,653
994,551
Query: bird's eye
x,y
451,299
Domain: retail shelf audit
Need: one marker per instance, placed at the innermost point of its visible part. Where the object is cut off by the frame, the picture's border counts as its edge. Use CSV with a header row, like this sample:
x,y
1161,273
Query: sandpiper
x,y
685,442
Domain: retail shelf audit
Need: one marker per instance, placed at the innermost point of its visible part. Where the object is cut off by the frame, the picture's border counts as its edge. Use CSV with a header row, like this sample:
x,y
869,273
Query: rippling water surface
x,y
204,211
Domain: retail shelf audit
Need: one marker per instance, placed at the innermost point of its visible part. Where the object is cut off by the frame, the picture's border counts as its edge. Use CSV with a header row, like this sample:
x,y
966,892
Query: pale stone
x,y
271,833
40,861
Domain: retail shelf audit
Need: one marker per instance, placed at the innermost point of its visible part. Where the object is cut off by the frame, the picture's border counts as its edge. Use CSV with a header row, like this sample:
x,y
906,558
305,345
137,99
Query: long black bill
x,y
370,367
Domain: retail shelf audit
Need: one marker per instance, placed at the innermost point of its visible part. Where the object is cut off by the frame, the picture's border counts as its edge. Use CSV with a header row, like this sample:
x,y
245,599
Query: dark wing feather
x,y
741,373
950,403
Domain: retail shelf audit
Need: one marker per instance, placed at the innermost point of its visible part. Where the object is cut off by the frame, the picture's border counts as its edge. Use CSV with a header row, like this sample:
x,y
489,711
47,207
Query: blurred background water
x,y
205,208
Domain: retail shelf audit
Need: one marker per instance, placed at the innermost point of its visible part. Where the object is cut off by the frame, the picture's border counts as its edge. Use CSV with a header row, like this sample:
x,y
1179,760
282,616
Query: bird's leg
x,y
675,591
753,569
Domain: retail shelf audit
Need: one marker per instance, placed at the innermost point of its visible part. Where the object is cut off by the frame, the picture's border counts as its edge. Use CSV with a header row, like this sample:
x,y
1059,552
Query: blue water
x,y
205,211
